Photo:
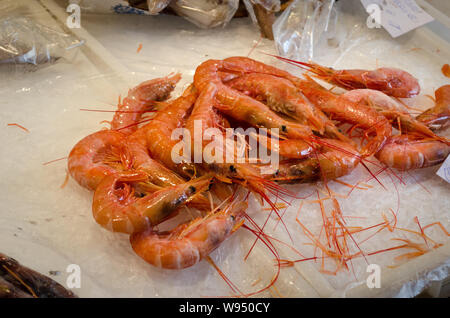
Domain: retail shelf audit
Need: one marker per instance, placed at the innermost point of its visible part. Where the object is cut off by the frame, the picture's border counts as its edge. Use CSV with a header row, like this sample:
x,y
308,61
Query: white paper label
x,y
396,16
444,170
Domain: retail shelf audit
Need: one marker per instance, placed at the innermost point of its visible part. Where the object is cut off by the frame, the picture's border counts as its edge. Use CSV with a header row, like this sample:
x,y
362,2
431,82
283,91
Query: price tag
x,y
444,170
396,16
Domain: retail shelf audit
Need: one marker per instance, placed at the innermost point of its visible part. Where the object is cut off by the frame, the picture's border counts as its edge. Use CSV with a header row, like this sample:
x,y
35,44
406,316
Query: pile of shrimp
x,y
137,185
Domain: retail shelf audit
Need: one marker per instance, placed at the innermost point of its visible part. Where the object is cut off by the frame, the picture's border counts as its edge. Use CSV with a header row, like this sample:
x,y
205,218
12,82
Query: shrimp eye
x,y
192,189
283,128
233,169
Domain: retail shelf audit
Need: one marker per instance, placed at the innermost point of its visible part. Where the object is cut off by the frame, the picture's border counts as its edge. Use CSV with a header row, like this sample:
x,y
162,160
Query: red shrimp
x,y
405,152
98,155
344,110
389,108
391,81
283,96
242,107
189,243
117,208
335,160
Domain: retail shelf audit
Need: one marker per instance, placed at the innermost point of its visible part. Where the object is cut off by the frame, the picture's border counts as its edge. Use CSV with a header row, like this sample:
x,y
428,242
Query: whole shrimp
x,y
438,117
98,155
391,81
106,152
139,100
189,243
406,152
117,207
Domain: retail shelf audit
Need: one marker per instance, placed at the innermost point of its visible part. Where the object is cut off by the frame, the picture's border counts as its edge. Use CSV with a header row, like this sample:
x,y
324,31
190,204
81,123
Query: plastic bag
x,y
269,5
206,14
22,40
262,13
156,6
303,26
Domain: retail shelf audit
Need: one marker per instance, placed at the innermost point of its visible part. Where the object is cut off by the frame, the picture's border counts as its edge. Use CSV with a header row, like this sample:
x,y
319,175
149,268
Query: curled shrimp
x,y
438,117
106,152
139,100
391,81
335,160
98,155
189,243
406,152
117,207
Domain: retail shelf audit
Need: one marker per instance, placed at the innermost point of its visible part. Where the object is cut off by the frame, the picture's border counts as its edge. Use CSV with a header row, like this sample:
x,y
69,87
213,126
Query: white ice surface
x,y
48,228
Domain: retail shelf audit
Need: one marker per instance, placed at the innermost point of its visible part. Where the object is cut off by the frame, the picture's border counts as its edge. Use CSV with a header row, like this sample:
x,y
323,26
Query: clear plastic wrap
x,y
269,5
202,13
24,40
262,13
206,14
303,26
